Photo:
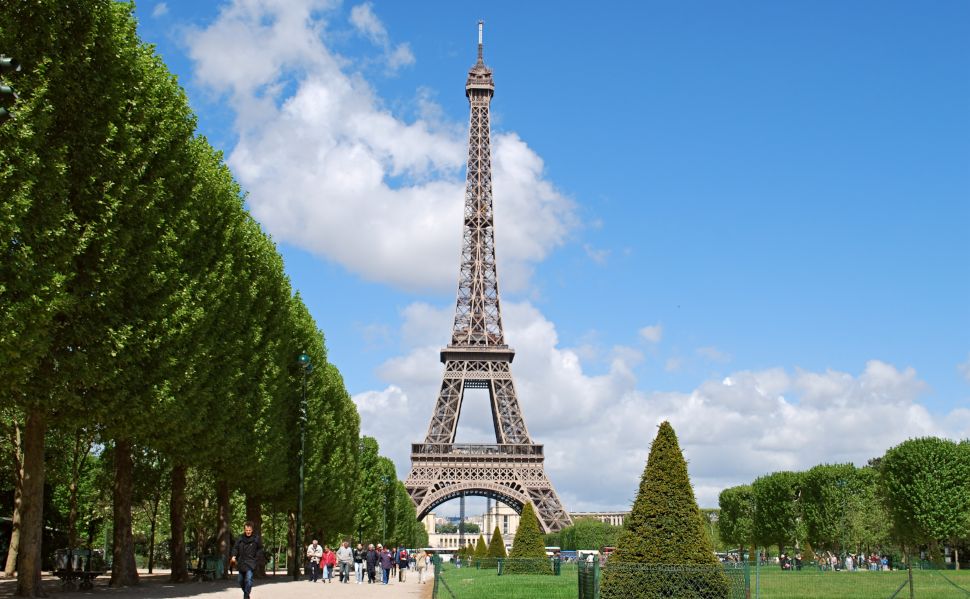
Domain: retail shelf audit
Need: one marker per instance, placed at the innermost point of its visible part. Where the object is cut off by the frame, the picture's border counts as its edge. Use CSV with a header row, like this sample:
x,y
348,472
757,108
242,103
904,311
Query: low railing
x,y
475,449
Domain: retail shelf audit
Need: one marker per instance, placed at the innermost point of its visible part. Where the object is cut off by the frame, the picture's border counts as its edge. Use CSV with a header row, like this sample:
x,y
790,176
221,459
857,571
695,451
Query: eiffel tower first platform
x,y
511,470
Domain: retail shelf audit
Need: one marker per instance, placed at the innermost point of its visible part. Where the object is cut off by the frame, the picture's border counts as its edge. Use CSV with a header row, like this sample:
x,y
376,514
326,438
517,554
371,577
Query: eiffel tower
x,y
511,470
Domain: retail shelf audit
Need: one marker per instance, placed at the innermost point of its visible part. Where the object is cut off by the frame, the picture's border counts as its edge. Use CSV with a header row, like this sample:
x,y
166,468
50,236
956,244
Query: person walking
x,y
345,559
245,554
372,559
386,563
359,555
402,565
329,563
420,563
313,554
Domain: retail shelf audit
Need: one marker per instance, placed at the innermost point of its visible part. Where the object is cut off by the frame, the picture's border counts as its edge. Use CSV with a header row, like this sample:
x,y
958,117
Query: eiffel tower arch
x,y
511,470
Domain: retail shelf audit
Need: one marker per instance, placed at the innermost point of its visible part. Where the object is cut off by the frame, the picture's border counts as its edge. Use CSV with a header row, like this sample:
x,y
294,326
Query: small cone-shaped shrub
x,y
528,554
481,549
664,550
496,548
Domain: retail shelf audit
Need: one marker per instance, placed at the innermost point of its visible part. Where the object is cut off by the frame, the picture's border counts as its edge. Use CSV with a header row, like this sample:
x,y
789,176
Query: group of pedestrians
x,y
322,562
386,562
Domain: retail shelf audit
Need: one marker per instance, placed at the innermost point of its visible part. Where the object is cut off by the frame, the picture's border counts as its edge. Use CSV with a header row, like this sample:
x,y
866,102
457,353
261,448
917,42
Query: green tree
x,y
776,512
829,495
665,527
588,533
481,548
528,553
496,547
926,486
736,520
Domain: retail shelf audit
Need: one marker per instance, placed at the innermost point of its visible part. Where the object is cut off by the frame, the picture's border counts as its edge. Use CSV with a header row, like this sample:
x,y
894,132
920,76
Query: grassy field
x,y
812,584
469,583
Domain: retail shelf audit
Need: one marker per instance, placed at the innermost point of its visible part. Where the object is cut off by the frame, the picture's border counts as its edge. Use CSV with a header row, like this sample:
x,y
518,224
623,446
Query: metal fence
x,y
534,579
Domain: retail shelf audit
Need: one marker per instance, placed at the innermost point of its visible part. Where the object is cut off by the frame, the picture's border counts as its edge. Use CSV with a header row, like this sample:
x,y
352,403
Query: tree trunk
x,y
176,514
254,514
124,572
292,568
32,506
222,528
956,557
18,484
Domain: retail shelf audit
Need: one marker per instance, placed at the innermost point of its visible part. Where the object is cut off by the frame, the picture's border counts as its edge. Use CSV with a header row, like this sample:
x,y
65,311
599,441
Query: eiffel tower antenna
x,y
511,470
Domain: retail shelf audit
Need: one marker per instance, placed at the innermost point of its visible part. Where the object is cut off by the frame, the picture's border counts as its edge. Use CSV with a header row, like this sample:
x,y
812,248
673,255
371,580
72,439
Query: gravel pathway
x,y
156,586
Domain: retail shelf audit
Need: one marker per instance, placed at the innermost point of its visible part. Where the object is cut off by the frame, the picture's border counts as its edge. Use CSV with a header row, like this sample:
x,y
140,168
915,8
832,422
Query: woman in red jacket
x,y
329,562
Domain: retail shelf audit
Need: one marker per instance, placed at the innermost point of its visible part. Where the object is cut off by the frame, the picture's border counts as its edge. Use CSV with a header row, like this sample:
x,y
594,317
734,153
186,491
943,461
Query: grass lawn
x,y
469,583
812,584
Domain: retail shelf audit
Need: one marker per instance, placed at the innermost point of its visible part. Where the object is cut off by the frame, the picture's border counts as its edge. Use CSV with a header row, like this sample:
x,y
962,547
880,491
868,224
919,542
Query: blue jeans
x,y
387,574
246,582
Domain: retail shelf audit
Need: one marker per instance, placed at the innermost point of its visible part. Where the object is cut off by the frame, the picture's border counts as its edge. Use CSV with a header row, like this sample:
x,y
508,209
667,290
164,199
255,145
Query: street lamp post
x,y
307,367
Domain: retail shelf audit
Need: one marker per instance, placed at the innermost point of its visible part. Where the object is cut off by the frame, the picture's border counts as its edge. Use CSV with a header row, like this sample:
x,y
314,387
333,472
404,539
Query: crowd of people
x,y
366,564
828,560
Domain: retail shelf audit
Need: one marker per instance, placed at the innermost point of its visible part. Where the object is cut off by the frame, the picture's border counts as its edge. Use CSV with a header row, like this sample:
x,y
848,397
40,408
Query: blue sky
x,y
752,220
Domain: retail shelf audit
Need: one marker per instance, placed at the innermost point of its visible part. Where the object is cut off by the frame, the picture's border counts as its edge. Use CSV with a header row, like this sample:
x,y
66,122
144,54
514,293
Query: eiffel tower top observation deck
x,y
511,470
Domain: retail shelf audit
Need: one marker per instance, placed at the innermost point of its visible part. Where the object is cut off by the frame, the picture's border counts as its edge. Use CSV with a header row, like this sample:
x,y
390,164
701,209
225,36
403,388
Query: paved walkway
x,y
156,586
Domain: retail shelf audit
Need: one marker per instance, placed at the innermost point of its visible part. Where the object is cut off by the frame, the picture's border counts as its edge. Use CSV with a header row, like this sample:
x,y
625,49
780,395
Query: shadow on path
x,y
150,586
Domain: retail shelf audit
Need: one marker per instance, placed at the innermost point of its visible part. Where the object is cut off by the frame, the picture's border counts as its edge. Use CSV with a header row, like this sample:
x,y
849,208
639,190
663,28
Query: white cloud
x,y
160,9
596,255
367,23
964,369
731,430
653,333
361,183
713,354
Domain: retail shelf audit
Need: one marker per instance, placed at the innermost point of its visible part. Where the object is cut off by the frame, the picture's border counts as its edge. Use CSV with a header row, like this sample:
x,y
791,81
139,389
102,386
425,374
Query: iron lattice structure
x,y
510,471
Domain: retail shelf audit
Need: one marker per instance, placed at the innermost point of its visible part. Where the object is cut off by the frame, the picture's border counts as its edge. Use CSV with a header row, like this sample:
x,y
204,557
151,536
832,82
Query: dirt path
x,y
156,586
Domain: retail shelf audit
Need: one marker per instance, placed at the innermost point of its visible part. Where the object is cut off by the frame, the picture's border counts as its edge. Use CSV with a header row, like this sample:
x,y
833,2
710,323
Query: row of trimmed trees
x,y
915,496
145,317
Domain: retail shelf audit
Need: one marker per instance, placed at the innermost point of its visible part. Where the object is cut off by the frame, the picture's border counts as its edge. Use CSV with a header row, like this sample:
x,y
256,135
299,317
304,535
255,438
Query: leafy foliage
x,y
736,520
926,485
776,513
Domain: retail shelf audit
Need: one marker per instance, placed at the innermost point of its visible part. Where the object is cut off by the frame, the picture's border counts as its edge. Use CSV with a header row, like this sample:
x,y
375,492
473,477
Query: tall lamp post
x,y
307,367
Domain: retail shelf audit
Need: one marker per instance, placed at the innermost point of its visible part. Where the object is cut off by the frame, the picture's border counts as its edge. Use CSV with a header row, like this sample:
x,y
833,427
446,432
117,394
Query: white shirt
x,y
314,552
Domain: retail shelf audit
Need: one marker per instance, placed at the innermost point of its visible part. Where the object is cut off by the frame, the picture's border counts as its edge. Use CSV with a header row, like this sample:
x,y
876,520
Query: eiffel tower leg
x,y
444,419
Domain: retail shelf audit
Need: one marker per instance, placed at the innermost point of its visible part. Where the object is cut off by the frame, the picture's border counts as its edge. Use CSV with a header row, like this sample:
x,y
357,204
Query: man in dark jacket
x,y
372,559
244,554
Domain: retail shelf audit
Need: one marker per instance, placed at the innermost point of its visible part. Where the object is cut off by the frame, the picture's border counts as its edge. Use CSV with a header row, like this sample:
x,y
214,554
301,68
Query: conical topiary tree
x,y
664,528
481,549
496,547
528,554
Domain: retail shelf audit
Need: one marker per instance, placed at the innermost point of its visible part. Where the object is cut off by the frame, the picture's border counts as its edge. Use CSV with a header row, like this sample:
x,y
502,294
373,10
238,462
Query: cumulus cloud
x,y
653,333
732,430
160,9
361,182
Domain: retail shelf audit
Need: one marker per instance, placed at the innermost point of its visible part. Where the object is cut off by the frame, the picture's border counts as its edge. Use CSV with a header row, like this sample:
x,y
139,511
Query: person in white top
x,y
313,554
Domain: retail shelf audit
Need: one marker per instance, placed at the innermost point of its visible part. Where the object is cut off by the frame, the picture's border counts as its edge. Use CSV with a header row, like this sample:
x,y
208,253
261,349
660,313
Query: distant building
x,y
614,518
507,520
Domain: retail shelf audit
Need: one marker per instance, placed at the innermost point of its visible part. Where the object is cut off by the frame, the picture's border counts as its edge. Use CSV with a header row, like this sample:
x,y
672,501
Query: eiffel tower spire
x,y
511,471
